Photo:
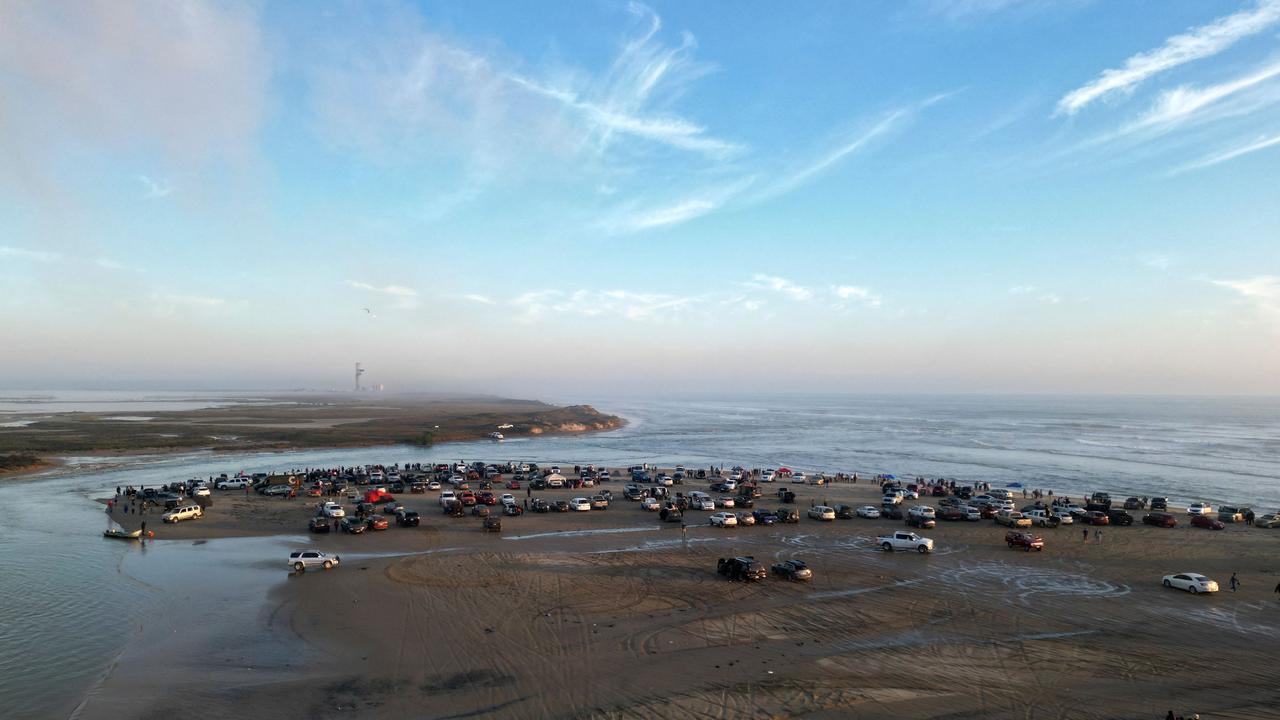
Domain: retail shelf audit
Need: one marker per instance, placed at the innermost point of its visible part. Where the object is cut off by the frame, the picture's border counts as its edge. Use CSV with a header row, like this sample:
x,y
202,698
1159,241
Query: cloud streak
x,y
1195,44
402,298
1231,154
7,251
1262,292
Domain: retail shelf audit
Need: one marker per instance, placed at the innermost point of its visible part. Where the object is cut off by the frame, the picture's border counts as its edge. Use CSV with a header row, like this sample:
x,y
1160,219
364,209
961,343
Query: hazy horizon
x,y
621,198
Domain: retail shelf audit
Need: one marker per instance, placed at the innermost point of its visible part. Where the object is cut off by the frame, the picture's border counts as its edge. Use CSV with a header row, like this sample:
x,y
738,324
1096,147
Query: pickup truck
x,y
1024,540
1043,518
1013,518
904,541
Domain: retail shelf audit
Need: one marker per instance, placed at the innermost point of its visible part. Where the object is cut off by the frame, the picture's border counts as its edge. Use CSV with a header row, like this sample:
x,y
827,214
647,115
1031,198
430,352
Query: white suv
x,y
238,483
332,510
182,512
302,559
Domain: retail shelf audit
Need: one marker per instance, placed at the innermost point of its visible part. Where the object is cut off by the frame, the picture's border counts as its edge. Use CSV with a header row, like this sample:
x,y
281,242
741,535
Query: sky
x,y
614,198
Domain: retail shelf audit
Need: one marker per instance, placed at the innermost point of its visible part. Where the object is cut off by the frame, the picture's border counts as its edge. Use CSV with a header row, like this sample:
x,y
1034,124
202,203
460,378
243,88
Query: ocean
x,y
71,599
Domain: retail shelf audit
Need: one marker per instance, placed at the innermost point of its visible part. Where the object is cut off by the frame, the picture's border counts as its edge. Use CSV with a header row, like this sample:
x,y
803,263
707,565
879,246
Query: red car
x,y
952,513
468,498
378,522
1024,540
938,491
513,484
1160,519
488,498
988,511
1095,517
1207,522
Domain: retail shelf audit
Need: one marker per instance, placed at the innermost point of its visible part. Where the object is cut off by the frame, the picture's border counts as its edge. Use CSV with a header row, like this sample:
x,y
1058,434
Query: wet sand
x,y
612,614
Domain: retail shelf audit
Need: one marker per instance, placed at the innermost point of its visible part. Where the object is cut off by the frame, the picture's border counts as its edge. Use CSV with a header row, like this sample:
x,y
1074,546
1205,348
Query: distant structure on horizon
x,y
359,372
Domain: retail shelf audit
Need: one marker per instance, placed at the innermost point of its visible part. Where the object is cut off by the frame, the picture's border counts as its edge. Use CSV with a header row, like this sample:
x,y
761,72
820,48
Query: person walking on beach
x,y
1235,582
1097,535
1278,588
144,528
1084,537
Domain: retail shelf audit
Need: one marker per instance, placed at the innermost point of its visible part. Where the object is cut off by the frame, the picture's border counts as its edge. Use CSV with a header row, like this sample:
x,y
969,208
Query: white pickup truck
x,y
905,541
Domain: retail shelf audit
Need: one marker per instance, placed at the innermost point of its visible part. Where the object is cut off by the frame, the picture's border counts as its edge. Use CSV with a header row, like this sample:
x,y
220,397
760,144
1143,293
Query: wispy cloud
x,y
637,306
25,254
155,189
850,294
1195,44
479,299
1183,102
166,304
1158,261
402,298
1049,298
1262,292
1230,154
782,286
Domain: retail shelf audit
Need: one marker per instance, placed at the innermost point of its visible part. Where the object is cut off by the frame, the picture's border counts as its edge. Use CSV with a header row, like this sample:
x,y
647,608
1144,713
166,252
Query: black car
x,y
408,518
793,570
786,496
539,505
890,512
1119,517
670,514
844,512
318,525
1134,503
719,487
539,484
787,515
455,509
744,502
741,568
353,525
1159,503
764,517
561,506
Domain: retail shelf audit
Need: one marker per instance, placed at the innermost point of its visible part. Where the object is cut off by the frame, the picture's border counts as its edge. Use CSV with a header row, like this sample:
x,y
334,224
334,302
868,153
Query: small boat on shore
x,y
122,534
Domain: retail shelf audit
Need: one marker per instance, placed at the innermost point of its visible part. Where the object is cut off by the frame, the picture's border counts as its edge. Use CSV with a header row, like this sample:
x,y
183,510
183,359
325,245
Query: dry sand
x,y
609,615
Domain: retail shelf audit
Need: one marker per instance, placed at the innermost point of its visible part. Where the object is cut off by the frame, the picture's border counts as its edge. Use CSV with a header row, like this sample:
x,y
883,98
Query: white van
x,y
182,512
236,483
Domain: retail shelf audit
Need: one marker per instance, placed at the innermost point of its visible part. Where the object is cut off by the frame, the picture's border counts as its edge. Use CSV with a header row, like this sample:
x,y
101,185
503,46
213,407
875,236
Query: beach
x,y
613,614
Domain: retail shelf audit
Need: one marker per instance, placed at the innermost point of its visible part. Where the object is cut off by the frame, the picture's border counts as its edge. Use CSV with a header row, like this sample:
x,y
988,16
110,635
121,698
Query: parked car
x,y
408,518
302,559
318,525
1160,519
891,512
787,515
1270,520
822,512
1044,518
725,502
1119,517
920,521
952,513
183,512
1134,503
1025,540
1207,522
377,522
1013,518
723,519
1095,517
1159,503
492,524
745,518
1199,509
651,503
1194,583
448,497
352,525
868,511
1229,514
599,502
743,568
795,570
580,504
764,517
845,512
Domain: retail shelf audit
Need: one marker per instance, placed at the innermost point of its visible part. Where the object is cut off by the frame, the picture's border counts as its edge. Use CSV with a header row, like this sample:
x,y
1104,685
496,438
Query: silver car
x,y
302,559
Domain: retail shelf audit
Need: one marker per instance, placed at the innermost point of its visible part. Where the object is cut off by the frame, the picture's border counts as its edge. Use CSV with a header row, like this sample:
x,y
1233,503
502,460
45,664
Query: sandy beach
x,y
612,614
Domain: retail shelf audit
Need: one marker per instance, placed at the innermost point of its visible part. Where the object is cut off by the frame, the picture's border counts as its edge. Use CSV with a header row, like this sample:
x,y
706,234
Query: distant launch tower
x,y
359,372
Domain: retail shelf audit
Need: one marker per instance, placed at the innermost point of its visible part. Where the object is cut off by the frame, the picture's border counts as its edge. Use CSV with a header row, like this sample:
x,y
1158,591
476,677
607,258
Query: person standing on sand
x,y
1097,535
1278,588
1084,537
1235,582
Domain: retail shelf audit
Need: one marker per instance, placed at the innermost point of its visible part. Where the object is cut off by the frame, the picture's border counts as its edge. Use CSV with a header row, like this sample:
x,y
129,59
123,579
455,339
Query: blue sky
x,y
610,197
